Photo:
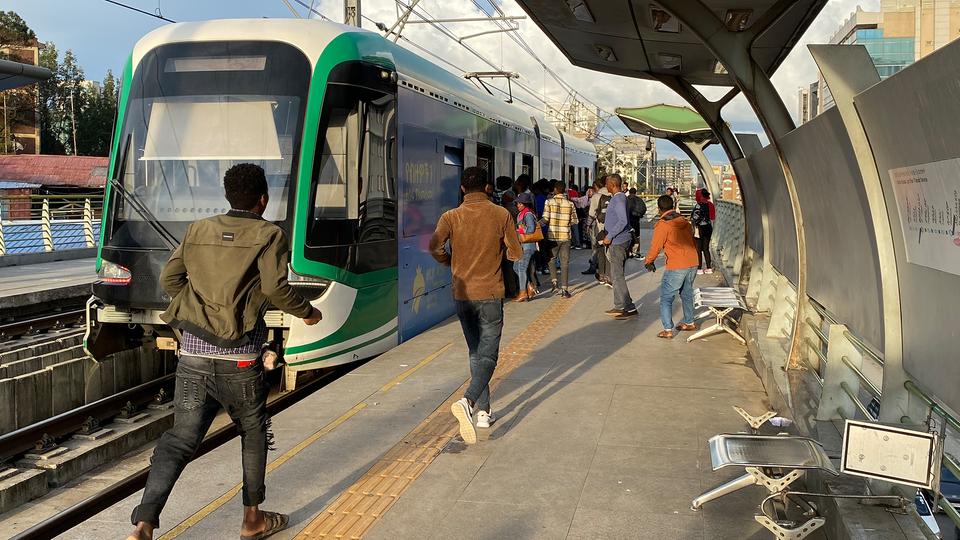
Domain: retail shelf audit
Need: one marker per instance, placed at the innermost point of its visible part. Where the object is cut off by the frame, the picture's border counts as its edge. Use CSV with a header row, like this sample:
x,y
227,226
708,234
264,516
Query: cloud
x,y
607,91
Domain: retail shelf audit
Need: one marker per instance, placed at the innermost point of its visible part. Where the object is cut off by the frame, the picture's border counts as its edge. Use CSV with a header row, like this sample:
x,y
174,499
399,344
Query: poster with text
x,y
928,200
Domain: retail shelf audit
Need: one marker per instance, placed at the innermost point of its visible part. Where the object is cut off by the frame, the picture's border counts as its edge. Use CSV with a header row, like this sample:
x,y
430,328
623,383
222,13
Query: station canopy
x,y
667,122
639,38
15,74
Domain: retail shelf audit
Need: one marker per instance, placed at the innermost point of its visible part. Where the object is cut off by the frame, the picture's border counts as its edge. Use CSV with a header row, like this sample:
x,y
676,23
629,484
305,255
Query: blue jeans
x,y
204,385
520,267
677,281
482,323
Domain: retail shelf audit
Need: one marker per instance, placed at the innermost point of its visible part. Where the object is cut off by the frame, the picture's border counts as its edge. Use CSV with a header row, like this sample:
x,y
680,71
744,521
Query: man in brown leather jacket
x,y
222,277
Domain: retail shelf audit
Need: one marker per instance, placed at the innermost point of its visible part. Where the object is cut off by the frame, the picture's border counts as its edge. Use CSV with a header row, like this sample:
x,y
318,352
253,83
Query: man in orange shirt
x,y
674,235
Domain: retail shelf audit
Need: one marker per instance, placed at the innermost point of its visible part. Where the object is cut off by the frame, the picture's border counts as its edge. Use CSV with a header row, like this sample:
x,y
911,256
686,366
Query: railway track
x,y
40,323
74,515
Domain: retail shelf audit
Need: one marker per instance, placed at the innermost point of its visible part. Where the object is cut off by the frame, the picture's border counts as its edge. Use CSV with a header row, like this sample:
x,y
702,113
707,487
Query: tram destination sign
x,y
890,453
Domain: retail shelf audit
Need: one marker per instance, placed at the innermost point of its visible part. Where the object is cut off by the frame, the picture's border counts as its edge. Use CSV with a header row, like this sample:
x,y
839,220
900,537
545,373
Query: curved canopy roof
x,y
15,74
666,122
638,38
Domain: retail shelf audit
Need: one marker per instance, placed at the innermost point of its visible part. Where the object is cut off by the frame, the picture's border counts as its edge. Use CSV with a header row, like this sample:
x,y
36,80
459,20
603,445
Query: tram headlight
x,y
114,274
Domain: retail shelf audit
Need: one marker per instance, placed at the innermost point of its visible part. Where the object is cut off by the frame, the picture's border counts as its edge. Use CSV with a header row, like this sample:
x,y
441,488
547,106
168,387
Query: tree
x,y
95,119
14,31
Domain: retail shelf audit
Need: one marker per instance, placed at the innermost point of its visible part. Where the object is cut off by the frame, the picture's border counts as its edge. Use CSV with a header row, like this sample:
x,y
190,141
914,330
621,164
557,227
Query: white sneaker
x,y
461,410
708,271
484,419
699,271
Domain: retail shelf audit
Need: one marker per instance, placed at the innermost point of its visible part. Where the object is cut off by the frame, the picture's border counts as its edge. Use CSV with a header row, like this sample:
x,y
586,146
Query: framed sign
x,y
890,453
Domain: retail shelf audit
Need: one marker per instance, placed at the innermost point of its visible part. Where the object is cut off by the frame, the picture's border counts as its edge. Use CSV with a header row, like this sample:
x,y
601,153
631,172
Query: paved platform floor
x,y
601,433
34,283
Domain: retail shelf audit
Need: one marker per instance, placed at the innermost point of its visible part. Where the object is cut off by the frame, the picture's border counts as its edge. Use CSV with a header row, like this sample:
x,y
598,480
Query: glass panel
x,y
354,179
195,110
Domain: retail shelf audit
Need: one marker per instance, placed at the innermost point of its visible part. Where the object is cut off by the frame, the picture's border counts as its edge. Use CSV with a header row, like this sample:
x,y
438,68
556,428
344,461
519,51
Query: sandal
x,y
665,334
275,523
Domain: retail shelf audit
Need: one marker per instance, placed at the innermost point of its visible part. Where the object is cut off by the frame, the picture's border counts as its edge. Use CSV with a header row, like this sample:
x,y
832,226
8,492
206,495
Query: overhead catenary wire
x,y
147,13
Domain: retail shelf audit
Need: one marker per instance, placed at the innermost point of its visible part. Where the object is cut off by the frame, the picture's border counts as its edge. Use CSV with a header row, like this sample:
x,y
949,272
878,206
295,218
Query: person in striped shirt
x,y
558,215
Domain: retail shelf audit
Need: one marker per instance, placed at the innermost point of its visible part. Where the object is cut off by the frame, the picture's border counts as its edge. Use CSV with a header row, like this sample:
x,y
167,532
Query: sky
x,y
102,34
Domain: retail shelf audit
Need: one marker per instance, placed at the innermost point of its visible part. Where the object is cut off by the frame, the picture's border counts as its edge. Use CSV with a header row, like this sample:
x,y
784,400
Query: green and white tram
x,y
363,143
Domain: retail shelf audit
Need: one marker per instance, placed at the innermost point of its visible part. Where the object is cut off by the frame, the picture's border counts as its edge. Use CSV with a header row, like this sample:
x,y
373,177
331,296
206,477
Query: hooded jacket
x,y
673,235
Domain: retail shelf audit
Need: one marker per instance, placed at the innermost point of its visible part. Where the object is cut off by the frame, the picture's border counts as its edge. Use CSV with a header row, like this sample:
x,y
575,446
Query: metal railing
x,y
849,341
44,223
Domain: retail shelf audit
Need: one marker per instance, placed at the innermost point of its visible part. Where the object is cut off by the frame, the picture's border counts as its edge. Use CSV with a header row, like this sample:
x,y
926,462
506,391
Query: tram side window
x,y
354,199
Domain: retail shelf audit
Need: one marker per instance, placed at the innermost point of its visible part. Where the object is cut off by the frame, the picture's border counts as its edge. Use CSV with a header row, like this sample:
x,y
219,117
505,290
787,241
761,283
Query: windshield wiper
x,y
162,232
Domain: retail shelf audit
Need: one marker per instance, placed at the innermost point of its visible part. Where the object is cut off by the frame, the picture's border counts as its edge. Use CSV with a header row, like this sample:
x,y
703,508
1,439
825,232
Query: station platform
x,y
46,282
601,432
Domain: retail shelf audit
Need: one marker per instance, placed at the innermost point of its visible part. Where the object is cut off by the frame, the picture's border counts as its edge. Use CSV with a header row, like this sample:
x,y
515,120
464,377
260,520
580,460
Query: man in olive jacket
x,y
226,272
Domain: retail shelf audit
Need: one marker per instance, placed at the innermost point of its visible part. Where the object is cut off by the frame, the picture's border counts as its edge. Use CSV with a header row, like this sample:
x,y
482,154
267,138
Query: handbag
x,y
535,236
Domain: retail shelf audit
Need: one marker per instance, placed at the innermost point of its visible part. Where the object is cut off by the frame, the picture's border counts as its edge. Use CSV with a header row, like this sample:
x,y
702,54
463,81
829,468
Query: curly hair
x,y
244,184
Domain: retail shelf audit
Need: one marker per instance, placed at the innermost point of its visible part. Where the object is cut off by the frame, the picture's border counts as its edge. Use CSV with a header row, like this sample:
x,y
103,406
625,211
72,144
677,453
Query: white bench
x,y
720,302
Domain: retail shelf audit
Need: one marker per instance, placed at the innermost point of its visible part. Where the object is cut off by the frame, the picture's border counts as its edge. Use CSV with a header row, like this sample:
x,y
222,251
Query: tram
x,y
363,143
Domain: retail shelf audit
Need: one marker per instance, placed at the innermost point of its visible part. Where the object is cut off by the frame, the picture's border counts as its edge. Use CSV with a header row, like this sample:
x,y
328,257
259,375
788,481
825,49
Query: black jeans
x,y
203,386
703,245
482,323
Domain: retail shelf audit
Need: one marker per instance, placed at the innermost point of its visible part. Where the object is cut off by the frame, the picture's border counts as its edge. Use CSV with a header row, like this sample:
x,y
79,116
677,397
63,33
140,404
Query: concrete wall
x,y
34,389
911,119
843,270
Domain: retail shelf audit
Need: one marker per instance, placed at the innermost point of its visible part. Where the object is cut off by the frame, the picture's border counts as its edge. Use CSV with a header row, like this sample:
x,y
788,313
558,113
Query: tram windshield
x,y
194,111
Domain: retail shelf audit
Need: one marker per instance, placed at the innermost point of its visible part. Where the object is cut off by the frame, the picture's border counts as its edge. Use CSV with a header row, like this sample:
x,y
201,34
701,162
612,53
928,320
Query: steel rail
x,y
19,328
78,513
17,442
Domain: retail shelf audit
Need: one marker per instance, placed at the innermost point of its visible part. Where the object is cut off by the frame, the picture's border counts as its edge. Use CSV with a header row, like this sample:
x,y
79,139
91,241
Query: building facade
x,y
808,99
574,117
902,32
675,173
19,126
628,156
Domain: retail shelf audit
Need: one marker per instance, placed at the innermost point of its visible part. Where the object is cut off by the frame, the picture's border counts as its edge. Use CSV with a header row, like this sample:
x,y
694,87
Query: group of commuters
x,y
489,228
498,230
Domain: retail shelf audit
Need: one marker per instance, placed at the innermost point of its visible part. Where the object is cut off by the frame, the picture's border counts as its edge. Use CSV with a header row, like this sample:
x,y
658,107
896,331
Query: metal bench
x,y
721,303
761,456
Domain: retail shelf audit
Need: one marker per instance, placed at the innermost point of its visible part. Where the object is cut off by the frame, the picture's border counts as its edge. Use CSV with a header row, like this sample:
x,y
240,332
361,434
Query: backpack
x,y
601,215
700,214
639,208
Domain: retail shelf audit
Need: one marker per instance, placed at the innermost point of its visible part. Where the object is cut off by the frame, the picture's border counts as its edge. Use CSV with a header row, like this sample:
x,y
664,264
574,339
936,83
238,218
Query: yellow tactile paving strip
x,y
201,514
362,504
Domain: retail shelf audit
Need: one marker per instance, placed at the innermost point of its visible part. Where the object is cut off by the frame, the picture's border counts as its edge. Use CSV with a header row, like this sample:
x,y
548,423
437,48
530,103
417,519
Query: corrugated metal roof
x,y
45,170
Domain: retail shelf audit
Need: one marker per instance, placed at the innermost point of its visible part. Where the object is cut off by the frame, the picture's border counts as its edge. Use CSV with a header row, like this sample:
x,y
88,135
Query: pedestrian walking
x,y
598,213
702,216
672,234
480,236
559,215
219,310
617,240
530,233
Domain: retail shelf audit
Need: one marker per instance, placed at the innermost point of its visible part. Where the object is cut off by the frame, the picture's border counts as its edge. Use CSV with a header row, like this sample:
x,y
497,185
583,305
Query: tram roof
x,y
312,36
622,37
572,142
666,121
